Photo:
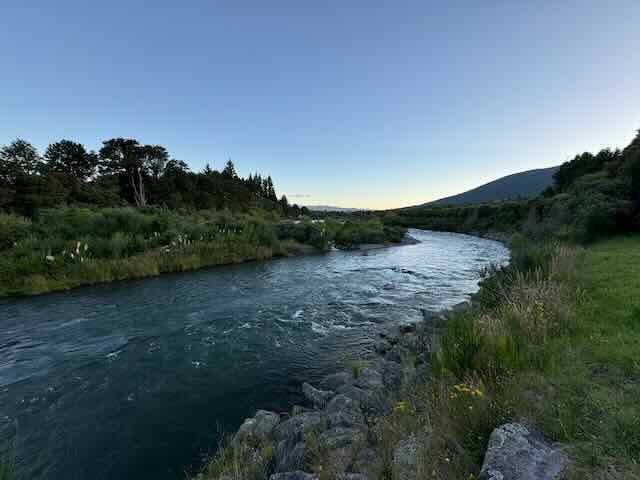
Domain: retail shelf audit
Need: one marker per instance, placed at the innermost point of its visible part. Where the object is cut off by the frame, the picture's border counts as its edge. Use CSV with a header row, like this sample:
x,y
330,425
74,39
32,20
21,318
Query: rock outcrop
x,y
517,452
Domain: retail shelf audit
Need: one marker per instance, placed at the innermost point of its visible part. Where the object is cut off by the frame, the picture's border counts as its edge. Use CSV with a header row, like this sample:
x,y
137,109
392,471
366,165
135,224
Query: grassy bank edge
x,y
551,340
151,264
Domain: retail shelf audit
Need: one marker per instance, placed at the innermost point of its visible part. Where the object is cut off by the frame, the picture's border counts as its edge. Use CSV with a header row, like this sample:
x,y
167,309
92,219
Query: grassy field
x,y
553,340
592,398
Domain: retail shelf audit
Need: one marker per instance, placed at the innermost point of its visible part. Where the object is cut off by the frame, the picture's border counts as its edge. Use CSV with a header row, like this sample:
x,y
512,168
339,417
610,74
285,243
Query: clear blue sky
x,y
354,103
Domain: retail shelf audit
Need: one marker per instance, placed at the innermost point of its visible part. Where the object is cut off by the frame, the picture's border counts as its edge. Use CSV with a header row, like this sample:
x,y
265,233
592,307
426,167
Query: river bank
x,y
476,392
70,247
331,434
209,346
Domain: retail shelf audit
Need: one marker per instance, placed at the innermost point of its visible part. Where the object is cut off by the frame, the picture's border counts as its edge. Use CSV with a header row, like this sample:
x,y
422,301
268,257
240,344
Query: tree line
x,y
125,172
593,195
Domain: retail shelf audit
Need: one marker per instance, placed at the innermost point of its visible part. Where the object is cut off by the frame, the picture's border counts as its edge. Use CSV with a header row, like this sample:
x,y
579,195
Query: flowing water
x,y
139,379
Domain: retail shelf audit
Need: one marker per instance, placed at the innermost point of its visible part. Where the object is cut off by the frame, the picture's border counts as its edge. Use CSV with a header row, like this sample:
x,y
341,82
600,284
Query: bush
x,y
461,346
13,228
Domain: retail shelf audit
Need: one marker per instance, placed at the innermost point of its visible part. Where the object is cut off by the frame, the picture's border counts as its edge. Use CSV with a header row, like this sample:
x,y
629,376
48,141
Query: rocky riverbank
x,y
334,435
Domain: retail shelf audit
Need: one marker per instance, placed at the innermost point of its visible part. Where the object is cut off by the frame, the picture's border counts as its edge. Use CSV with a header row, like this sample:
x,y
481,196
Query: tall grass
x,y
250,459
513,329
7,466
68,247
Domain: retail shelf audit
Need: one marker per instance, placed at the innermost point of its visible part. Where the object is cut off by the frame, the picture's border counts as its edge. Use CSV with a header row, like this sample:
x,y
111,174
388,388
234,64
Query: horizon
x,y
358,106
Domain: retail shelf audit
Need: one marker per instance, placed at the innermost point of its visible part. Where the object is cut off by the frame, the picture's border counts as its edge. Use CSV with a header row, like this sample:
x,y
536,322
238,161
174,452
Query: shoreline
x,y
338,411
293,249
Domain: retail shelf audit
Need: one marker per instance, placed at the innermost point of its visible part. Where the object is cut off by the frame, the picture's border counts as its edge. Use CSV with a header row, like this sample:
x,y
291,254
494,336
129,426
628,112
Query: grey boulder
x,y
290,455
344,411
516,452
405,458
259,426
316,397
381,347
336,381
297,475
295,428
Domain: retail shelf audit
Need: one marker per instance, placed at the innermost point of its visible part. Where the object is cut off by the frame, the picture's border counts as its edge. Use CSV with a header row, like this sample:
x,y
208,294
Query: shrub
x,y
461,345
240,461
13,228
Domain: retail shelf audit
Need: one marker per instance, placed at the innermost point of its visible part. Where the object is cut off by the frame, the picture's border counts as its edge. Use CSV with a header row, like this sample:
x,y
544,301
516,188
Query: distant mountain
x,y
523,184
328,208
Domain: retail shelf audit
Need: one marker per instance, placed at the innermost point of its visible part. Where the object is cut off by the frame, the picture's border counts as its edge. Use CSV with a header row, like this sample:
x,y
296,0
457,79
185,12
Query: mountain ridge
x,y
521,184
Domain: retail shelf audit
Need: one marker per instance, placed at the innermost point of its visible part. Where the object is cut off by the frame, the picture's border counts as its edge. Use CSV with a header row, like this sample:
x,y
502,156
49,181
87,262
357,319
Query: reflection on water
x,y
138,379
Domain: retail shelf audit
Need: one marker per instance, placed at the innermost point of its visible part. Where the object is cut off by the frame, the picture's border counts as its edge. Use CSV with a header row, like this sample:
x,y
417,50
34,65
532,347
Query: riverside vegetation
x,y
549,341
73,217
68,247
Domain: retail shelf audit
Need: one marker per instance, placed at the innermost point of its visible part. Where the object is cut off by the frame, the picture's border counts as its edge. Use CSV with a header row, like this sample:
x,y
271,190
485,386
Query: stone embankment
x,y
332,436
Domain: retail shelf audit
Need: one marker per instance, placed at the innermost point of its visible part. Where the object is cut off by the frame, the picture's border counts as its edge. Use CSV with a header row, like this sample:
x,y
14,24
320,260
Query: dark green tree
x,y
230,170
156,159
71,158
17,159
126,158
269,191
631,156
207,170
284,204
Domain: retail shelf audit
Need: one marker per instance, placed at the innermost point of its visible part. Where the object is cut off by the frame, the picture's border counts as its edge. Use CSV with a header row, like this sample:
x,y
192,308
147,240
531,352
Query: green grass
x,y
67,247
553,339
593,395
6,468
250,459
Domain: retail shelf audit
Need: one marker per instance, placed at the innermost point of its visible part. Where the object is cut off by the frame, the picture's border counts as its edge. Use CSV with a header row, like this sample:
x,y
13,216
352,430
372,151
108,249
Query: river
x,y
138,380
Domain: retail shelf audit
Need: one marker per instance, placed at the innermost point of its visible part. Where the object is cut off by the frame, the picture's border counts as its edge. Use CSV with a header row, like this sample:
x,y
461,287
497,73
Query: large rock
x,y
407,328
516,452
290,455
316,397
338,437
336,381
291,435
344,411
369,379
372,402
296,427
397,353
405,458
391,374
381,347
365,459
296,475
259,426
392,336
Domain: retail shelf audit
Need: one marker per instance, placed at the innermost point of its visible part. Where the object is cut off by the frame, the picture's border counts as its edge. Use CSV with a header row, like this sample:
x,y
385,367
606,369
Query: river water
x,y
139,379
